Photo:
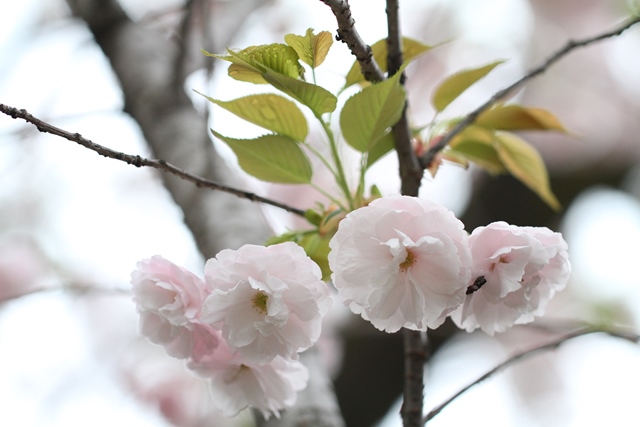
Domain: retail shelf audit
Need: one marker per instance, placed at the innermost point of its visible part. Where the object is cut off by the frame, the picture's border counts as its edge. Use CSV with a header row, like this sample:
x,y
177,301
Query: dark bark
x,y
144,62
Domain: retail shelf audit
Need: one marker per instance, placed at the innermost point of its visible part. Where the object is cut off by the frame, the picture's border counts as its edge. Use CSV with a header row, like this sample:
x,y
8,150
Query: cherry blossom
x,y
267,301
23,267
168,299
163,383
516,271
401,262
237,383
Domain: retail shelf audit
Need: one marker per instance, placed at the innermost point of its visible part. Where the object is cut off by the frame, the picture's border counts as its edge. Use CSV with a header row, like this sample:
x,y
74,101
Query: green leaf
x,y
380,148
290,236
317,98
248,64
524,162
312,49
313,216
476,144
517,117
367,115
245,74
270,111
271,158
454,85
241,69
411,49
374,191
317,248
485,156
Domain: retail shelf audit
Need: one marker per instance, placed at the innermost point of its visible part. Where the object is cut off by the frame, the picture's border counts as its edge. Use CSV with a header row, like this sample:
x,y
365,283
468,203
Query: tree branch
x,y
410,169
471,117
314,407
634,338
348,34
414,361
184,31
209,43
410,178
143,61
141,161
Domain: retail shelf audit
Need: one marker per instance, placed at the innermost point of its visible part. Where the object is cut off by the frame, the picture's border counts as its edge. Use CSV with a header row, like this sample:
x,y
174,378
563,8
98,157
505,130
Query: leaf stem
x,y
363,170
320,157
326,163
328,196
340,175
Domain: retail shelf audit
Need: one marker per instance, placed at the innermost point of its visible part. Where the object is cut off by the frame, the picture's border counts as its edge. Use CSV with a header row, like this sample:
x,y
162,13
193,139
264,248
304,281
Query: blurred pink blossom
x,y
23,267
169,299
523,268
162,383
237,383
401,262
267,301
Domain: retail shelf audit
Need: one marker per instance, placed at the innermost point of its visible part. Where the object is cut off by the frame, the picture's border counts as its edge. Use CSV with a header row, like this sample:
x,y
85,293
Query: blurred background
x,y
121,73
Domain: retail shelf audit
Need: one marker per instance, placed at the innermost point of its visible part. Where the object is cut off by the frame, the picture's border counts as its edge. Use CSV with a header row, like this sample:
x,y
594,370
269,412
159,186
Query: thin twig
x,y
634,338
348,34
428,157
139,161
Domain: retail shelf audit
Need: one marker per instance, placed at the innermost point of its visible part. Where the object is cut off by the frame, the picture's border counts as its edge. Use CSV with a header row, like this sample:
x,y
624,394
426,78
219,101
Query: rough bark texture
x,y
315,406
144,62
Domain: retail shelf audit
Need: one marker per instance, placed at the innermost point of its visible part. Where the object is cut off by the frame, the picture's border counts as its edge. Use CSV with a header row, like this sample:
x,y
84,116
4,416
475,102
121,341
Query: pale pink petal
x,y
236,383
523,268
169,299
401,262
267,301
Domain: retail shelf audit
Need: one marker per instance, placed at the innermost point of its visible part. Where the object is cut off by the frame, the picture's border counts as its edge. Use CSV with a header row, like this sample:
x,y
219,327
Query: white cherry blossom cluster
x,y
400,262
243,326
407,262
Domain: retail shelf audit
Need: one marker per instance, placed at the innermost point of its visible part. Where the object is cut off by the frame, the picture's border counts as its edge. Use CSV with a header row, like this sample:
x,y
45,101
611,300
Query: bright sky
x,y
50,374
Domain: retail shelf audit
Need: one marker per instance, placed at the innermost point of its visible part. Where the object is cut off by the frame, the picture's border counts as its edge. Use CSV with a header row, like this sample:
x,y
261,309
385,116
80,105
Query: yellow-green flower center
x,y
260,302
408,261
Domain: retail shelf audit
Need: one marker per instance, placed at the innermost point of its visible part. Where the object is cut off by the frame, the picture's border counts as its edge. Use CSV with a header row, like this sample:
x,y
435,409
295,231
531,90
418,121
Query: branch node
x,y
348,34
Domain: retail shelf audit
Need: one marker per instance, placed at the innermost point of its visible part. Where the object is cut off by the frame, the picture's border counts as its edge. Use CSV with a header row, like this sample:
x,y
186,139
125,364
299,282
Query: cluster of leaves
x,y
490,143
365,121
